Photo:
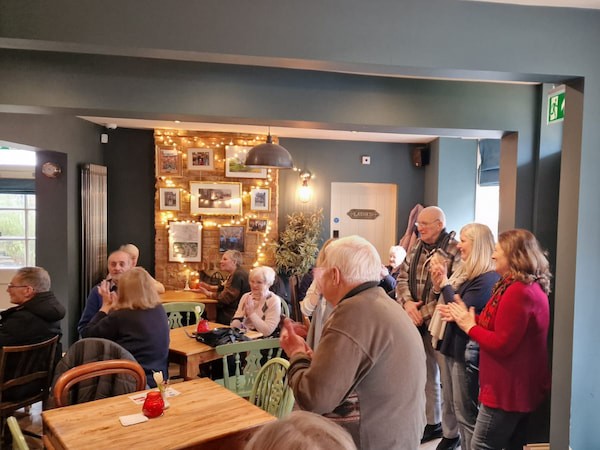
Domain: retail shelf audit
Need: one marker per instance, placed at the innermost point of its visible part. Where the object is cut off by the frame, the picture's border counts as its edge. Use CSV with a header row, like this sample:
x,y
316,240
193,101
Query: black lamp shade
x,y
269,155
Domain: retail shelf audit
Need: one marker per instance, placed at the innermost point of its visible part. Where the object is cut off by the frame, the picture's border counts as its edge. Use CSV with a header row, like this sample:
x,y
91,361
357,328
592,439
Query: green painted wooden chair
x,y
242,362
271,391
285,309
181,314
19,442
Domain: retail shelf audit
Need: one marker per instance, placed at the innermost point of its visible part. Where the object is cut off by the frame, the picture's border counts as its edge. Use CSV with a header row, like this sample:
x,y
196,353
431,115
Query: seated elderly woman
x,y
135,319
259,309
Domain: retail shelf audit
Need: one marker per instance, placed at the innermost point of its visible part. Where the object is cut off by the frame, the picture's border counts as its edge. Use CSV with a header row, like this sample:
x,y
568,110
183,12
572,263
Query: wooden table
x,y
204,416
189,353
191,296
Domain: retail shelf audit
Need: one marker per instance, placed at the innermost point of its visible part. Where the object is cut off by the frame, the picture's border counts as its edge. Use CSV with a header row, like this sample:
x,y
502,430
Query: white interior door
x,y
373,210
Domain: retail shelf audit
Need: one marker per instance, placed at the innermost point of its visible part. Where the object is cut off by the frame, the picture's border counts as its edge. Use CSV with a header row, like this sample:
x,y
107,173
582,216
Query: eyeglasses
x,y
426,224
11,286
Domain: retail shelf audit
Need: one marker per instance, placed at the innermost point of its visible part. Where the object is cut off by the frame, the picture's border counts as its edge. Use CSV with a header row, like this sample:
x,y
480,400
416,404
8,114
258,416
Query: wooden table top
x,y
185,296
203,415
183,344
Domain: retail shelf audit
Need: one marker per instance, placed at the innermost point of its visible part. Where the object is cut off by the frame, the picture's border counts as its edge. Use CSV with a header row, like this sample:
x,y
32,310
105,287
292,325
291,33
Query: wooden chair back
x,y
25,375
183,313
271,391
71,377
242,362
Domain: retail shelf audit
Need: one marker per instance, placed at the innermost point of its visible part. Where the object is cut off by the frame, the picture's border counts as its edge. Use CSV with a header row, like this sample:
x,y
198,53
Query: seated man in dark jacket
x,y
37,314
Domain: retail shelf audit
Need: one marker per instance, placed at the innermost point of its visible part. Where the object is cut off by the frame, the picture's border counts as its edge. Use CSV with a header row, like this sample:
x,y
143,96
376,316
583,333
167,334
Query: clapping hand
x,y
439,275
291,343
249,306
108,298
463,316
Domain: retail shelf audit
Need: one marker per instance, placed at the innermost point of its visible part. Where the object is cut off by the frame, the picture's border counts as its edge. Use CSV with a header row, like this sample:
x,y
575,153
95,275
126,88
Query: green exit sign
x,y
556,105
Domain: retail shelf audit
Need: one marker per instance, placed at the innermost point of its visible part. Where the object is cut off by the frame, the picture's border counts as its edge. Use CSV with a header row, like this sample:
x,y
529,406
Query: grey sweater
x,y
371,348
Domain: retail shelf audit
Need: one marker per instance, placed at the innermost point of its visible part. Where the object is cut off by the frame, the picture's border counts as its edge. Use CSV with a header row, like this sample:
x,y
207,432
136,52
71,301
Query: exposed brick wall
x,y
173,274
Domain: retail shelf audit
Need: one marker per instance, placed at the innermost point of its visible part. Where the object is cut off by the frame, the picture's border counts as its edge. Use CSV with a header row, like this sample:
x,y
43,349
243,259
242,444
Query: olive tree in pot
x,y
296,251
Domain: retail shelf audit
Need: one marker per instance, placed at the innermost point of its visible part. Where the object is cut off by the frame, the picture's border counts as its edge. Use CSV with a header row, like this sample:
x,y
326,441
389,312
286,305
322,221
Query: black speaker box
x,y
420,156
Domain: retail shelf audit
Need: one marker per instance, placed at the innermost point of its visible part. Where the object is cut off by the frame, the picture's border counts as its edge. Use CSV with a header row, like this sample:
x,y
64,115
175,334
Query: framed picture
x,y
185,241
260,199
257,225
169,199
235,157
200,159
216,198
168,162
231,238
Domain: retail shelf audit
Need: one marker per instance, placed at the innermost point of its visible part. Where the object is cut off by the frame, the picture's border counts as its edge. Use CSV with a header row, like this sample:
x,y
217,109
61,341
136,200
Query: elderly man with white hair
x,y
369,368
414,291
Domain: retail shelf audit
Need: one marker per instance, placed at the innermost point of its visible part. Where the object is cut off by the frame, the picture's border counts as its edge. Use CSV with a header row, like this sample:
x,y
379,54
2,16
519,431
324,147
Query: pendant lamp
x,y
269,155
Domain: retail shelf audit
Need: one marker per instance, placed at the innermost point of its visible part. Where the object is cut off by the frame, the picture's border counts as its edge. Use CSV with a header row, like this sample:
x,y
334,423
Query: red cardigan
x,y
513,365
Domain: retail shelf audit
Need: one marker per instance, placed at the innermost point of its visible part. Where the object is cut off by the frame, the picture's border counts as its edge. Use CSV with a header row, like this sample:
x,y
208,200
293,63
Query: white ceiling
x,y
281,132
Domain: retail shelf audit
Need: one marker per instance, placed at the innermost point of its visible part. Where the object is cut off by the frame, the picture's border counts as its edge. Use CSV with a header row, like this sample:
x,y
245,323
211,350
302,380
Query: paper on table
x,y
139,397
132,419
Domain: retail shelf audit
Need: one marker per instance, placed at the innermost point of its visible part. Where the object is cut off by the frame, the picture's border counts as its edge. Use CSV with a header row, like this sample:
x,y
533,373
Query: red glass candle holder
x,y
202,326
153,405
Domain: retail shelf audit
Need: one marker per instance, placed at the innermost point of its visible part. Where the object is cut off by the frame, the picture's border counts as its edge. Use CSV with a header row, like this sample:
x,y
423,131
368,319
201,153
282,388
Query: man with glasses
x,y
368,372
414,291
37,314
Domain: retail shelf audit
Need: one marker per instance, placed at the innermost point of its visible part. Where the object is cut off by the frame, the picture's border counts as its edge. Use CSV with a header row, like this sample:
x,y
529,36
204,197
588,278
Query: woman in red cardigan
x,y
512,334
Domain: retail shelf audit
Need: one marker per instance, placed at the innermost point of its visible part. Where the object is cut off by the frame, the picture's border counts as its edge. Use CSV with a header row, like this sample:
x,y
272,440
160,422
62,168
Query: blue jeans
x,y
465,402
497,429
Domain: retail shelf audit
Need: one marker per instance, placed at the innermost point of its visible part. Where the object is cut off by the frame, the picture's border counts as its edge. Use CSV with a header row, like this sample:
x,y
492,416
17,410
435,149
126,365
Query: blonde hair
x,y
526,260
265,272
301,430
480,259
137,290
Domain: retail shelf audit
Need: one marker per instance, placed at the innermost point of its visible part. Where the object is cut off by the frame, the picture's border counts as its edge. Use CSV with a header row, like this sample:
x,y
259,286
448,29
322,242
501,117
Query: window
x,y
487,193
17,230
17,208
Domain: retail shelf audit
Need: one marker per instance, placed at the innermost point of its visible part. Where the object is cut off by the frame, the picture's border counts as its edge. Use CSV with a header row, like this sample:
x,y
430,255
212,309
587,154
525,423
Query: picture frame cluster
x,y
220,184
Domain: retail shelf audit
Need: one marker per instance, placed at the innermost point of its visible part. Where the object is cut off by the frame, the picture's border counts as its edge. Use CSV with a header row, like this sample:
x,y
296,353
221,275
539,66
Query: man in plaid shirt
x,y
414,291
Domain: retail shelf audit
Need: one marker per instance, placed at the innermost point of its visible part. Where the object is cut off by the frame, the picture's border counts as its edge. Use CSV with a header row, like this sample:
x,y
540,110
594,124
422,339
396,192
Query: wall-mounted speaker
x,y
420,156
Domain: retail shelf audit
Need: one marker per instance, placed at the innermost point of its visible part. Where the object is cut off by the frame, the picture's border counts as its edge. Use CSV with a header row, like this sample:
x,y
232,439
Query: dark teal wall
x,y
340,161
70,142
129,158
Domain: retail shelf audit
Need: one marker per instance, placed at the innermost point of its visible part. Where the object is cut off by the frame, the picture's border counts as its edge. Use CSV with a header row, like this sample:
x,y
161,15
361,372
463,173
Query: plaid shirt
x,y
423,282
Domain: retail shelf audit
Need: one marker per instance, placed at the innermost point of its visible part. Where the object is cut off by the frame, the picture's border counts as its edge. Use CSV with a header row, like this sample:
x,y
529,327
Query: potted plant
x,y
296,251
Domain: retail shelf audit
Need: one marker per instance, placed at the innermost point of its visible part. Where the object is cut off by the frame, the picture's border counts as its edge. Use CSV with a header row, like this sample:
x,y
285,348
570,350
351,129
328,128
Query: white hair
x,y
355,257
264,272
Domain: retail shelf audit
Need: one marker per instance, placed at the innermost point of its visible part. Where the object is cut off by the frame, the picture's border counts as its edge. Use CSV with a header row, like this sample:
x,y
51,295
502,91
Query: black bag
x,y
221,336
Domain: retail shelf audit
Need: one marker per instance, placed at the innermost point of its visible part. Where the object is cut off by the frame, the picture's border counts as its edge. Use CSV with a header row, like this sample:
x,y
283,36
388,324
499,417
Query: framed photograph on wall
x,y
168,162
257,225
200,159
235,157
260,199
185,241
169,199
216,198
231,238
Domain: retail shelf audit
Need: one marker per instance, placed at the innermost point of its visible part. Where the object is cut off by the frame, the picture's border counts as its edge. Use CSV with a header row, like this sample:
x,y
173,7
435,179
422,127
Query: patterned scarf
x,y
489,312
